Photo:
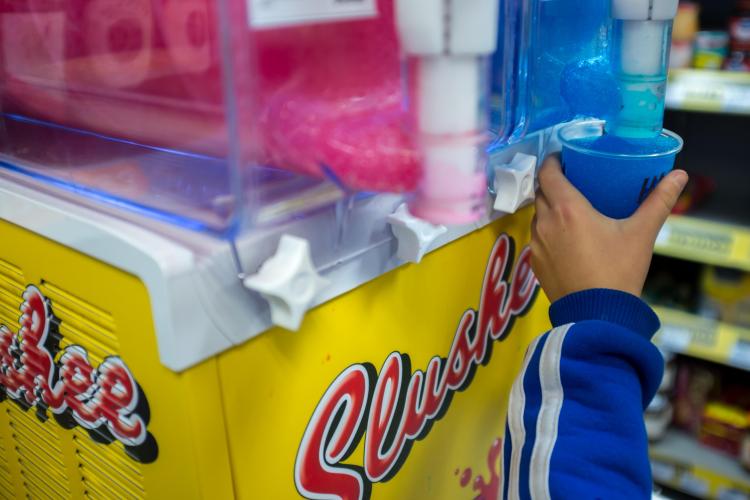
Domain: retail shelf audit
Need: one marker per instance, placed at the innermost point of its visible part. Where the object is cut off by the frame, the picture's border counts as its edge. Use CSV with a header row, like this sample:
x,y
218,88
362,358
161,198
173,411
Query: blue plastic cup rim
x,y
596,128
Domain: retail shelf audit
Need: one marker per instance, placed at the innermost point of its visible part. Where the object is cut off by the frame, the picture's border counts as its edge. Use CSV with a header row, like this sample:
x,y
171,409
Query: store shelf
x,y
680,462
709,91
705,241
692,335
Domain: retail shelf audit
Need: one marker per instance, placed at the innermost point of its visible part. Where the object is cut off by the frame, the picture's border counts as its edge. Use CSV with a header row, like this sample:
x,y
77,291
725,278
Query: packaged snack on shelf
x,y
711,49
697,383
739,32
723,427
670,373
739,27
686,22
745,451
738,61
682,54
726,295
683,35
674,284
699,189
658,416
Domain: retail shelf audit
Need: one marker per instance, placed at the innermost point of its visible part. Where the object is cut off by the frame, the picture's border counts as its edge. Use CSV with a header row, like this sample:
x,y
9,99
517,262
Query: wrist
x,y
602,304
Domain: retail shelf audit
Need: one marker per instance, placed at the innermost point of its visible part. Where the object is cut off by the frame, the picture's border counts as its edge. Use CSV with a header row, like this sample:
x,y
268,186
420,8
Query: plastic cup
x,y
615,174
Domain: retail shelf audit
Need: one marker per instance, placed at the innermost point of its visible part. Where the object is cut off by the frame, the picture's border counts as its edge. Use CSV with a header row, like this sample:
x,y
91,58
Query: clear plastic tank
x,y
205,112
224,115
552,39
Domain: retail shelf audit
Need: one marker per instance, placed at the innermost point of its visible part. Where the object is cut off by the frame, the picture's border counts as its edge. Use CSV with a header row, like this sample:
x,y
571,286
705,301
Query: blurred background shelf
x,y
699,281
706,241
681,462
716,228
704,338
709,91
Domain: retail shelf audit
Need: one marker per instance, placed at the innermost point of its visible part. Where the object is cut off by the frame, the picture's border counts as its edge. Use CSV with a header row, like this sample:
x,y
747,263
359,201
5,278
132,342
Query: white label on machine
x,y
279,13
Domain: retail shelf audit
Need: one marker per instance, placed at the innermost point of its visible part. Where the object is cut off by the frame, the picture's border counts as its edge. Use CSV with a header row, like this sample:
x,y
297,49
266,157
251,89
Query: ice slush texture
x,y
616,174
590,89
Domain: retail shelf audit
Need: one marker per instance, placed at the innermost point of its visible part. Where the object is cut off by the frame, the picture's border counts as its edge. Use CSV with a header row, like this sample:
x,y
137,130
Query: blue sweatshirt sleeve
x,y
575,424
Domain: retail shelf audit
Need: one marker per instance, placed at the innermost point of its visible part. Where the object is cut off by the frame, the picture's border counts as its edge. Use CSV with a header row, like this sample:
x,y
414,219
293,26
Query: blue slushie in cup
x,y
617,162
614,173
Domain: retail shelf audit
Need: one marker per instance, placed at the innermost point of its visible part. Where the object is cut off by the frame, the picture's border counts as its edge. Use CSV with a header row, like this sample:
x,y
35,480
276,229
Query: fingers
x,y
555,186
541,202
653,213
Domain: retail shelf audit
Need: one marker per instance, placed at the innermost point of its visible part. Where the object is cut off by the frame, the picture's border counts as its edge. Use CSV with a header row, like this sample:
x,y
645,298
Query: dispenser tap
x,y
640,58
447,44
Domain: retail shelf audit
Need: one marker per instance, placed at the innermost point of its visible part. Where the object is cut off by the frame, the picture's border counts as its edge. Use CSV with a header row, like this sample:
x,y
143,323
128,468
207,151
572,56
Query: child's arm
x,y
575,420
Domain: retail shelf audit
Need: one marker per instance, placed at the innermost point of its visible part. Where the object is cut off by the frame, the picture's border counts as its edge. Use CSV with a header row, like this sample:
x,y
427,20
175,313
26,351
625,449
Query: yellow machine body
x,y
397,389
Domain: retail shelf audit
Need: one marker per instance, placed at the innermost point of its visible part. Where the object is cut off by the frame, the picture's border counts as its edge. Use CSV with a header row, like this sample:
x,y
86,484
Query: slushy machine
x,y
278,248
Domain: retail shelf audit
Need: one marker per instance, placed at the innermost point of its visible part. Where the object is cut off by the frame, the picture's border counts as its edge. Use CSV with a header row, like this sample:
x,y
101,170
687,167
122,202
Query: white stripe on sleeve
x,y
515,424
546,424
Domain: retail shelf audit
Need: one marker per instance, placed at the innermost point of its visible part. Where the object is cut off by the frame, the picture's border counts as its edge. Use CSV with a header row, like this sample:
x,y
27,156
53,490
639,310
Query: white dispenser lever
x,y
415,236
514,183
289,282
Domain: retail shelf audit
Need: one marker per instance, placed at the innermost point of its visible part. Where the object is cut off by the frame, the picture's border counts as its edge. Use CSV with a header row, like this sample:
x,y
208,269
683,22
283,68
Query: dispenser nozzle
x,y
640,58
447,44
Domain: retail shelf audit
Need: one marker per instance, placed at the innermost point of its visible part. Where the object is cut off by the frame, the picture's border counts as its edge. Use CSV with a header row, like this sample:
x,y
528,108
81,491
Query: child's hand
x,y
575,248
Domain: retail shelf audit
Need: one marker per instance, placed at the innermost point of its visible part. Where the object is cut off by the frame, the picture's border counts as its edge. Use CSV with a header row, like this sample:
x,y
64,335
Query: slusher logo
x,y
396,407
106,401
